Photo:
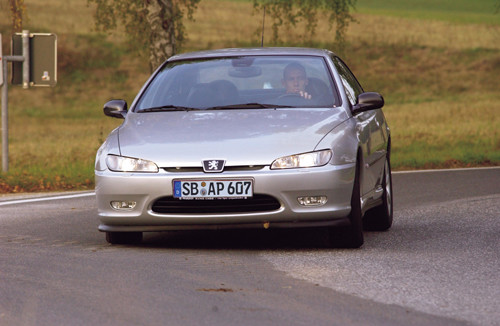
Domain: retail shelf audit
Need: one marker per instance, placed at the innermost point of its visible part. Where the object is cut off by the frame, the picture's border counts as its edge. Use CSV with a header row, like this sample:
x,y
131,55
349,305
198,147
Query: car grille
x,y
226,169
257,203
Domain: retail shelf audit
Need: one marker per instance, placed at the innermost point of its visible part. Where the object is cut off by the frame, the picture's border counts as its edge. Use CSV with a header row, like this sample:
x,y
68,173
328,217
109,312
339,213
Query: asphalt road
x,y
438,265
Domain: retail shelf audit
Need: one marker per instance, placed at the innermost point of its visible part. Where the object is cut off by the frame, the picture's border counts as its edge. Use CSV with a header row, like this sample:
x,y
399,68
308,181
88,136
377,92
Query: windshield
x,y
240,82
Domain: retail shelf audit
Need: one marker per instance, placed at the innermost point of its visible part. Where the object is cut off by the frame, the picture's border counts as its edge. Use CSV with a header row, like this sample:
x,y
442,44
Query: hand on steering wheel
x,y
302,94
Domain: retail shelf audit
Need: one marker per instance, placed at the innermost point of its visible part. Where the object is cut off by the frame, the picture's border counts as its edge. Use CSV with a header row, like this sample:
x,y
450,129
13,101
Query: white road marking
x,y
38,199
446,170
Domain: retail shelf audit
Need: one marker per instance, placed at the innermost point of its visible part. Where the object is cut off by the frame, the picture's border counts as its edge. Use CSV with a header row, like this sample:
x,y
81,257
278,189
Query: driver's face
x,y
295,81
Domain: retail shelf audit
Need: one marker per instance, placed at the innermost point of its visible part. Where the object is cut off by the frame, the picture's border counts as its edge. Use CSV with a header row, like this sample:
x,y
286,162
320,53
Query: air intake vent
x,y
258,203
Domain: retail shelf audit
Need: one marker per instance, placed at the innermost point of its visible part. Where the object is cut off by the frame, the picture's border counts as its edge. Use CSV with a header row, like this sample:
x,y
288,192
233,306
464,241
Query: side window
x,y
350,83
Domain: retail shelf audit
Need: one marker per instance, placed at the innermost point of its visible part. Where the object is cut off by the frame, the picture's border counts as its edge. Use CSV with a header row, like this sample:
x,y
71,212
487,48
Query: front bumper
x,y
333,181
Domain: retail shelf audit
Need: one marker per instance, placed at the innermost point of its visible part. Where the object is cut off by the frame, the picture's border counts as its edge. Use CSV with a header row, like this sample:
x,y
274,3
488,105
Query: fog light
x,y
312,200
123,205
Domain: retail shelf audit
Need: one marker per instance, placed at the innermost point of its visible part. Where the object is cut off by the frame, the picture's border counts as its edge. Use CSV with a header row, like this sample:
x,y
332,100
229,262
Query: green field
x,y
437,63
454,11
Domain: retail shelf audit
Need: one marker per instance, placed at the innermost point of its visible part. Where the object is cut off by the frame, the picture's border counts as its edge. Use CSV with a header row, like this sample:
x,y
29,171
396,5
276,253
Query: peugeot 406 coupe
x,y
247,138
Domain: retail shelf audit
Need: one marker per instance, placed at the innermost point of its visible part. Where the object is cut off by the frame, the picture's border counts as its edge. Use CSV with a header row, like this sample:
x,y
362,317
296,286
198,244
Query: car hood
x,y
241,137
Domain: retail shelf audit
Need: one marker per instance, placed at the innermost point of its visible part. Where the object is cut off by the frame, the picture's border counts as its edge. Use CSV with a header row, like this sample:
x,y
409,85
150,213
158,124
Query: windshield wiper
x,y
167,108
249,106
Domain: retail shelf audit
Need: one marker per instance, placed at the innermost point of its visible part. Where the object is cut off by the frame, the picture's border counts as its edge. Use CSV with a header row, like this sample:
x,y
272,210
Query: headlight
x,y
305,160
129,164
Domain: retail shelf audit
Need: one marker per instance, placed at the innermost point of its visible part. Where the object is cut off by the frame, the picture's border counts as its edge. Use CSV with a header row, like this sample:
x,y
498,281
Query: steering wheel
x,y
290,96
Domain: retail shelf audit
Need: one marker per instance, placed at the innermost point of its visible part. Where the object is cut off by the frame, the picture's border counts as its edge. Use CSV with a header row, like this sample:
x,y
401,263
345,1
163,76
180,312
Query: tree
x,y
291,12
155,25
17,10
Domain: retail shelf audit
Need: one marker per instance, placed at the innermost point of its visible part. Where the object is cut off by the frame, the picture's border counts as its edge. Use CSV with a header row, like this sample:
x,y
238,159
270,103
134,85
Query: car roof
x,y
250,51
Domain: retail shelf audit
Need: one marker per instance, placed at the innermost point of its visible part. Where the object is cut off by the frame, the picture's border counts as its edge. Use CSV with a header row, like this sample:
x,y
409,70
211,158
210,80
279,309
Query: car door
x,y
370,128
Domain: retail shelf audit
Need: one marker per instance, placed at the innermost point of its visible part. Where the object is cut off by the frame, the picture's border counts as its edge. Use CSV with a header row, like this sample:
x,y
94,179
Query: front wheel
x,y
123,237
380,218
350,236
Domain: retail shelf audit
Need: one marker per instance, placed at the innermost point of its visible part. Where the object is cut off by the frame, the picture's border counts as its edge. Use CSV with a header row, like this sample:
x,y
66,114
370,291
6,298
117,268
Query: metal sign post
x,y
5,115
35,59
1,62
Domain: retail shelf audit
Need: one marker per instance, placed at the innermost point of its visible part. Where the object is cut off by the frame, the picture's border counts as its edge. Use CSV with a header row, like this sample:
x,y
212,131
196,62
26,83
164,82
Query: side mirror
x,y
116,109
368,101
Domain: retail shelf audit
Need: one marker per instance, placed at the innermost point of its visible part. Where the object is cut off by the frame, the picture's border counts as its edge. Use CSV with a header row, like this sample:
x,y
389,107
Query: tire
x,y
123,237
350,236
380,218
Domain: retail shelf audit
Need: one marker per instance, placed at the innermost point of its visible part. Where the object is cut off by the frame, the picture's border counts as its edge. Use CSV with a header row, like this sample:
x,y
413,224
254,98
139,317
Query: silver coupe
x,y
247,138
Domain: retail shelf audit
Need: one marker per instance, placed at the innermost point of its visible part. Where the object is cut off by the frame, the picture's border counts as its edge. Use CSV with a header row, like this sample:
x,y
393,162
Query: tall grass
x,y
438,71
445,133
225,23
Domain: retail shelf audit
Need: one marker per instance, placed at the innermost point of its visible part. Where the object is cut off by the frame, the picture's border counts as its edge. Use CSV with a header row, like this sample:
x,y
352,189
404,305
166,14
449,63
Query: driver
x,y
295,80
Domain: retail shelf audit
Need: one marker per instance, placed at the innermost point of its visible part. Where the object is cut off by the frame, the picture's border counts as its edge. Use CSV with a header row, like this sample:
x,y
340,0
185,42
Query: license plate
x,y
212,189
